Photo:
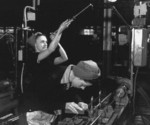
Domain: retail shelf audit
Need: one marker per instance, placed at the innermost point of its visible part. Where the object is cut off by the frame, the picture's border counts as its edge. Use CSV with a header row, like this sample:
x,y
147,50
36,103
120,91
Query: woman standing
x,y
43,64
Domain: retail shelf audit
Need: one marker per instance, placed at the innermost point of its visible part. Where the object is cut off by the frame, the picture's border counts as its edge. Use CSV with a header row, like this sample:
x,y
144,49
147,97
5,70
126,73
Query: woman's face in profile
x,y
79,83
41,43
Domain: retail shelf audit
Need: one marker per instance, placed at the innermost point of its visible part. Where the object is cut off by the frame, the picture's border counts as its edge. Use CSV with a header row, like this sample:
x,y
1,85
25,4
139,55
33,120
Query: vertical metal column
x,y
17,63
107,40
16,57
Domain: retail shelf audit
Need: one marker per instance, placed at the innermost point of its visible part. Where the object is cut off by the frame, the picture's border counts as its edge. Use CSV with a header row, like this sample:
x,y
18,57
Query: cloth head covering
x,y
87,70
32,39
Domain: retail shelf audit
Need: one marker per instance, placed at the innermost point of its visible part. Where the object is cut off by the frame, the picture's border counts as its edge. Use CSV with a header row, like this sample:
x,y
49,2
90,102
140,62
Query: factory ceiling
x,y
11,11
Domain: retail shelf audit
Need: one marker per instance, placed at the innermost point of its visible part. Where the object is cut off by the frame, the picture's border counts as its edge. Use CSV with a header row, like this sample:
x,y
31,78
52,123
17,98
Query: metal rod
x,y
75,16
96,119
103,101
114,8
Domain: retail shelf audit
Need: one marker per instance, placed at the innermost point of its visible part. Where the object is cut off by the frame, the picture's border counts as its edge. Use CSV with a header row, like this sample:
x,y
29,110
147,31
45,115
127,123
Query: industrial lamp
x,y
112,1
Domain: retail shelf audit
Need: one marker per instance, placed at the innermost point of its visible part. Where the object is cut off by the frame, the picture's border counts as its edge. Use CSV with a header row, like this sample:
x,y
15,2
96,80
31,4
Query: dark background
x,y
54,11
